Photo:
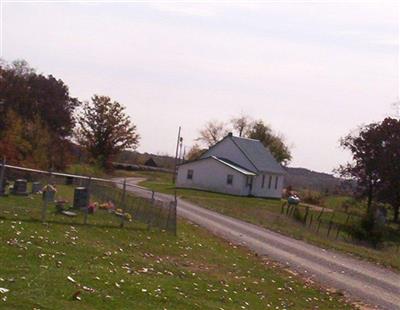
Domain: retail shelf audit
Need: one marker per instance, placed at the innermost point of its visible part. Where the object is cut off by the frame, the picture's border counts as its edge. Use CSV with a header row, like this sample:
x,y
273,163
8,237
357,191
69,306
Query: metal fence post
x,y
151,211
46,199
2,172
175,216
123,204
85,217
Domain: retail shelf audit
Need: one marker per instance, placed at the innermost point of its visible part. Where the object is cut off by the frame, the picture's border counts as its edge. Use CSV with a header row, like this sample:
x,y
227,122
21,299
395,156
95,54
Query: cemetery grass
x,y
44,265
267,213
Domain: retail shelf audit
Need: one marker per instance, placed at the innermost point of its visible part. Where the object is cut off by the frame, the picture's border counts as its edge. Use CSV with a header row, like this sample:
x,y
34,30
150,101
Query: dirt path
x,y
357,279
315,207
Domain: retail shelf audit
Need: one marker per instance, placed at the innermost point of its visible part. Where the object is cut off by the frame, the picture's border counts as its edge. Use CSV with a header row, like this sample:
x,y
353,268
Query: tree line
x,y
43,126
242,126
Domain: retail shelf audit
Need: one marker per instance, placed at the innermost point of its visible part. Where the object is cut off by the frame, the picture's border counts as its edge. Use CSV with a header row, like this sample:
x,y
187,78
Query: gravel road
x,y
358,279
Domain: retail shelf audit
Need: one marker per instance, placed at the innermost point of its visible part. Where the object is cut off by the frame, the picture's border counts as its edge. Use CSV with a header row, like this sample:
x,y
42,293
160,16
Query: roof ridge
x,y
245,138
244,153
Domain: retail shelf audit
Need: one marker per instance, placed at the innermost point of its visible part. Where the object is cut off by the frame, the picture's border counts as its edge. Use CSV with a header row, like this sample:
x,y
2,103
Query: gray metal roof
x,y
258,154
233,165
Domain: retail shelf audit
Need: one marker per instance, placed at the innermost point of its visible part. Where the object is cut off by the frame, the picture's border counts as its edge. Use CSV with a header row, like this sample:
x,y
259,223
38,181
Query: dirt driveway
x,y
357,279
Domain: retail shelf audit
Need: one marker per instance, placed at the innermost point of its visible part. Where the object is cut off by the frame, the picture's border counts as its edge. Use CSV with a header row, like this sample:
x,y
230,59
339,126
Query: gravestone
x,y
81,198
49,193
20,187
36,187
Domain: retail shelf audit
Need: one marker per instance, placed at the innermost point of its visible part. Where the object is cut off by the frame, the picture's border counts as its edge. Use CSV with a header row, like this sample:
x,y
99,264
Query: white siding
x,y
265,191
209,174
227,149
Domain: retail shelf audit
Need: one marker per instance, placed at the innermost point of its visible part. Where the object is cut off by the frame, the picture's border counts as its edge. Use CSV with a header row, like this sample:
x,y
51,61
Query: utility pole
x,y
176,155
180,151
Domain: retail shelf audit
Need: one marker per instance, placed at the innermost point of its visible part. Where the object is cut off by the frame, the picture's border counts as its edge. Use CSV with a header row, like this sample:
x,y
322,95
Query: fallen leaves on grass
x,y
76,295
71,279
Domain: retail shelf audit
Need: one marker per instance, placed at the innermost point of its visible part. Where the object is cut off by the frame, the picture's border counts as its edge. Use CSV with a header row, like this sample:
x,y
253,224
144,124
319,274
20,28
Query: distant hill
x,y
302,178
298,178
132,157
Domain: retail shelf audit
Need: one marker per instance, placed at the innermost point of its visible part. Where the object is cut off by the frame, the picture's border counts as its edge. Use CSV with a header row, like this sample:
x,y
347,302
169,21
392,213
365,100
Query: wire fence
x,y
330,223
74,199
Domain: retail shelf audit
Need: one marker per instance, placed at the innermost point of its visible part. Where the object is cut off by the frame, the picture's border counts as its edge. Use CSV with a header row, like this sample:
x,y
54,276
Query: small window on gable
x,y
229,179
190,174
276,182
270,181
263,181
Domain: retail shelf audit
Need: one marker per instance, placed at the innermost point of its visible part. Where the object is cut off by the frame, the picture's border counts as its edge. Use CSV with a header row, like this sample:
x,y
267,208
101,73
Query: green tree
x,y
46,110
105,129
389,164
365,147
13,143
195,152
275,143
375,166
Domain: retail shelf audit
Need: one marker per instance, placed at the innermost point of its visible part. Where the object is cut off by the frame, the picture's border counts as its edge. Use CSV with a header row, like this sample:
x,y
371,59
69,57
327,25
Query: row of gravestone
x,y
20,188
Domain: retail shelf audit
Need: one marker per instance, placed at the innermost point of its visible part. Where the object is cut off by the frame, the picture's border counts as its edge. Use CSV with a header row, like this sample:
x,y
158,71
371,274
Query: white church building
x,y
237,166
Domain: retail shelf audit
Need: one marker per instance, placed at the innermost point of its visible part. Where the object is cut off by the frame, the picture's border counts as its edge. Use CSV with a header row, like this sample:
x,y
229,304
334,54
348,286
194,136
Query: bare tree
x,y
212,132
242,124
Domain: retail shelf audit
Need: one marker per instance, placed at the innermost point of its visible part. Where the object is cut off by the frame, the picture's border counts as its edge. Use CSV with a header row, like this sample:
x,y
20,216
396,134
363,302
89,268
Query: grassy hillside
x,y
267,213
105,267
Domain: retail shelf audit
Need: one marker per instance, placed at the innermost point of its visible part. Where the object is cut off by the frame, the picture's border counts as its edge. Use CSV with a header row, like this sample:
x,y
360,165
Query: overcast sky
x,y
313,71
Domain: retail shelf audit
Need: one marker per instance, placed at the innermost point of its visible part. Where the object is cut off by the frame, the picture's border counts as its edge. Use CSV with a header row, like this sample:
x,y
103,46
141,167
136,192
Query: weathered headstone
x,y
20,187
81,198
49,193
36,187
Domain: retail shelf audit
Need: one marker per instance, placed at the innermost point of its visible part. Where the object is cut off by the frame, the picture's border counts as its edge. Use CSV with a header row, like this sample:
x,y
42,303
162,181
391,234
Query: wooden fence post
x,y
329,228
338,231
311,220
283,208
123,204
306,215
321,213
330,223
319,224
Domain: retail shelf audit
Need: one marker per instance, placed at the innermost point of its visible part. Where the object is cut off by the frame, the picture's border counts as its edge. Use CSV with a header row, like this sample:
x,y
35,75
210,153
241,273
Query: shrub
x,y
311,197
87,170
368,229
297,214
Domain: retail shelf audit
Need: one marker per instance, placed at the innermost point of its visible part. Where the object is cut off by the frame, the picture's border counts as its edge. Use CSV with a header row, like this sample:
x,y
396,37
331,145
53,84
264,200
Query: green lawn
x,y
267,213
43,266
